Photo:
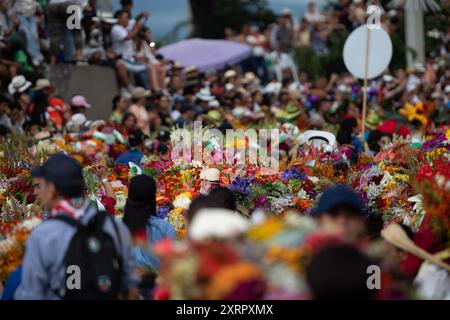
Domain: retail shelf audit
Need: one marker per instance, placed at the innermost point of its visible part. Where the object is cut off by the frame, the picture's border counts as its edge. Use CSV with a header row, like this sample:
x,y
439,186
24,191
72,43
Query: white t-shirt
x,y
146,52
257,43
314,17
433,282
119,44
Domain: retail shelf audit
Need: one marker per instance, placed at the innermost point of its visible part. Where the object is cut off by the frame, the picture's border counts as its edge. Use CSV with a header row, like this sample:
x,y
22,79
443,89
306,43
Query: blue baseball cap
x,y
64,172
338,195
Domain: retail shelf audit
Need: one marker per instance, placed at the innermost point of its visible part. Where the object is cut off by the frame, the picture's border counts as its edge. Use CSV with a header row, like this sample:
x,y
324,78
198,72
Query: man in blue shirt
x,y
59,186
136,144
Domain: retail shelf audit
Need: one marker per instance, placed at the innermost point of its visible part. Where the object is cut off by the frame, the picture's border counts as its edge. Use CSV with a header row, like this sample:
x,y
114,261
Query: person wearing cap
x,y
146,227
20,89
19,84
40,104
340,212
59,187
177,104
188,114
136,147
138,100
79,104
209,179
204,97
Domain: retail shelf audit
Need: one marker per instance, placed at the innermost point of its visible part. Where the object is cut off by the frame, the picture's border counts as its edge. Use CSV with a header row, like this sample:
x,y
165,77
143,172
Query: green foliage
x,y
210,18
294,185
436,21
322,66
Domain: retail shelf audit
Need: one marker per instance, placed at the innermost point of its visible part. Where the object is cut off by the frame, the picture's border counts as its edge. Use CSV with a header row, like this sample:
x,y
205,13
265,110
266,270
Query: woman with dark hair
x,y
145,55
129,123
119,107
140,217
346,136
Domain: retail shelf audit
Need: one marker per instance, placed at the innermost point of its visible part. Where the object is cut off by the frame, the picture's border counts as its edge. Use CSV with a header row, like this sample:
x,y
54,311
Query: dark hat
x,y
336,196
186,107
142,189
163,135
136,137
179,100
64,172
126,2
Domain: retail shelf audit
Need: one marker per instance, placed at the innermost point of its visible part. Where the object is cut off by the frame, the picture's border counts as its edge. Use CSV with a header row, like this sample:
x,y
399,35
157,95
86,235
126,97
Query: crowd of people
x,y
163,229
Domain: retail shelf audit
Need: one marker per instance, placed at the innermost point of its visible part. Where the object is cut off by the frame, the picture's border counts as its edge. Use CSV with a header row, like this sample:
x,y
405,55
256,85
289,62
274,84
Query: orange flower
x,y
228,279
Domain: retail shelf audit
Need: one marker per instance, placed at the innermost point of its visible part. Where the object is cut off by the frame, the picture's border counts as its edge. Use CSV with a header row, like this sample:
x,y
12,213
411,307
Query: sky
x,y
165,14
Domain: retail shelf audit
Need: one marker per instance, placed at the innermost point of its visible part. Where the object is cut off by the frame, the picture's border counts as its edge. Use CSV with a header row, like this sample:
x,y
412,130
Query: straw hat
x,y
139,93
214,116
229,74
42,84
291,113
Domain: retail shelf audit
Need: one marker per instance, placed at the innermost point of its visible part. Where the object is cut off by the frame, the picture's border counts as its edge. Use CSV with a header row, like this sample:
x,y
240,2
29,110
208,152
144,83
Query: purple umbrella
x,y
206,54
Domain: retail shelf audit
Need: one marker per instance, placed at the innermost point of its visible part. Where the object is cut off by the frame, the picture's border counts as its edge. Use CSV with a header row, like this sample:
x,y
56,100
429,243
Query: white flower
x,y
373,191
314,179
387,179
182,201
302,194
196,164
121,200
418,205
30,224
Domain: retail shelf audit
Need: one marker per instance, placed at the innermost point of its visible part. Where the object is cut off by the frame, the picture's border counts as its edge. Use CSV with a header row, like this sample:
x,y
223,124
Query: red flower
x,y
426,172
317,240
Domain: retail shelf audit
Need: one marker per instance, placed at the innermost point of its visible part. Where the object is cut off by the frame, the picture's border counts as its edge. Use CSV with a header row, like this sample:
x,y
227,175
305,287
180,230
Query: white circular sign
x,y
380,52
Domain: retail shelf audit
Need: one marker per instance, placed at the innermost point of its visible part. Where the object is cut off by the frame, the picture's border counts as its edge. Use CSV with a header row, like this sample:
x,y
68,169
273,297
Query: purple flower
x,y
293,174
261,202
241,185
252,289
162,212
434,143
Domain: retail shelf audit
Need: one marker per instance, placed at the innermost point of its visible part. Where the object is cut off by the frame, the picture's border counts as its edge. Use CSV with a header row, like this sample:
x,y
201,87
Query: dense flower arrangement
x,y
402,183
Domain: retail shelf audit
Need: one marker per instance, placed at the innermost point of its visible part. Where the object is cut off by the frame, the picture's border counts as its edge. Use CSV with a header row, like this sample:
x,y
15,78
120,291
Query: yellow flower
x,y
289,255
268,229
436,154
414,112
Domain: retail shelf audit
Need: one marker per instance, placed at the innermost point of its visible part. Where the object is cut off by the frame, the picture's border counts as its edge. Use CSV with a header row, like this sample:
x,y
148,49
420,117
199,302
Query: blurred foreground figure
x,y
79,252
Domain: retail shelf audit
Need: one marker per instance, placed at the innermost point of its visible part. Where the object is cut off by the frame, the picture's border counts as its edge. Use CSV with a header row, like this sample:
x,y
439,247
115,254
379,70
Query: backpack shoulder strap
x,y
102,216
69,220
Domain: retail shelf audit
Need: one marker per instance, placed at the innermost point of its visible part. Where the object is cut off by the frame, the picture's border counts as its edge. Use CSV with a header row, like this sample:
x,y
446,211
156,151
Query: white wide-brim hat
x,y
18,84
318,138
217,224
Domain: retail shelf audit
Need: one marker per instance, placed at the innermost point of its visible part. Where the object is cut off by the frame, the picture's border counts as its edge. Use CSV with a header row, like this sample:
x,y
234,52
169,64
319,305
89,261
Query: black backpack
x,y
93,253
